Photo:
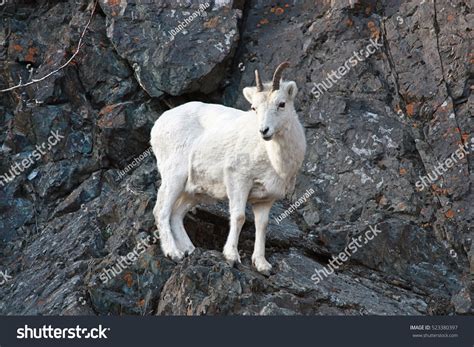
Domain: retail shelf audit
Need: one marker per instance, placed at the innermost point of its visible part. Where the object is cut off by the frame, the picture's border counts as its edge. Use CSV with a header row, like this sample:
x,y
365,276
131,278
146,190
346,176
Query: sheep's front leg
x,y
237,201
261,212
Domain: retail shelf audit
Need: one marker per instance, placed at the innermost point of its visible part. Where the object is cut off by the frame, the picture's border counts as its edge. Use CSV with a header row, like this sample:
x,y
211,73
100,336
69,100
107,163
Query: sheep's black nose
x,y
264,131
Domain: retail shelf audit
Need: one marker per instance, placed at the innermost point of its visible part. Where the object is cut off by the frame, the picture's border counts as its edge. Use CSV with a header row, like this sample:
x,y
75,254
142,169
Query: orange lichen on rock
x,y
401,206
32,53
279,11
375,32
106,109
439,190
128,279
411,109
212,23
17,48
449,214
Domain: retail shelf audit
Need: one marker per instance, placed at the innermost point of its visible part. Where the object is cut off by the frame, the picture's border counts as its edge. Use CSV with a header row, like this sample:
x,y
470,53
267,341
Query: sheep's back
x,y
175,132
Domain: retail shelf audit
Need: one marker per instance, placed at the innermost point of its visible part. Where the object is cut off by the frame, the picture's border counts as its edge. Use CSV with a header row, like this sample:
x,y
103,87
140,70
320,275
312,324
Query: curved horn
x,y
258,81
277,75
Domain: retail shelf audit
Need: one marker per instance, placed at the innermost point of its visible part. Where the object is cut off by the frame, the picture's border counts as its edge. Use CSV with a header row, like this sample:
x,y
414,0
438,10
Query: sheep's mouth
x,y
267,137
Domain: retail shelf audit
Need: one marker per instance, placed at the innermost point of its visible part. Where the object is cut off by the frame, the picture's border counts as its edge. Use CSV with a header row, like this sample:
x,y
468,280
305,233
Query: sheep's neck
x,y
286,150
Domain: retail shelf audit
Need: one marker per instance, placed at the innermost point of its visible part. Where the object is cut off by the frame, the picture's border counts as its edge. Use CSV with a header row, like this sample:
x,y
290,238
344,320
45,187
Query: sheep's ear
x,y
249,93
291,89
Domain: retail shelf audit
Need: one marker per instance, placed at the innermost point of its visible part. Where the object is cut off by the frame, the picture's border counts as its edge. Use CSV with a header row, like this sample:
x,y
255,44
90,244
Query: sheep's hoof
x,y
233,263
189,251
175,255
232,256
262,265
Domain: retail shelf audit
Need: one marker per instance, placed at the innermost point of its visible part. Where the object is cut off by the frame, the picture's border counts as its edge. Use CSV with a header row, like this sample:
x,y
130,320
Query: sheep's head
x,y
273,102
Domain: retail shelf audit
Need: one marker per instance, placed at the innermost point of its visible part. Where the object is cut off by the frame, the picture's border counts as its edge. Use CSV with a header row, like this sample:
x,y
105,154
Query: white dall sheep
x,y
206,152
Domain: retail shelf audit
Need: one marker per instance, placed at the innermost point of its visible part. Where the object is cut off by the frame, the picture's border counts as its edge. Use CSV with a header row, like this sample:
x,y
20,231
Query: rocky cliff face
x,y
72,216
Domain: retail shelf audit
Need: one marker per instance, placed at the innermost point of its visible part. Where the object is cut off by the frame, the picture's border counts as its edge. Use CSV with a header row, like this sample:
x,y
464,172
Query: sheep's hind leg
x,y
168,193
183,205
237,201
261,212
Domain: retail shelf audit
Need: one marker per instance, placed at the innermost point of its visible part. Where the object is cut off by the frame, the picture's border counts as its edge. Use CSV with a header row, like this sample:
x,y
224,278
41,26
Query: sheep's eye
x,y
253,108
281,105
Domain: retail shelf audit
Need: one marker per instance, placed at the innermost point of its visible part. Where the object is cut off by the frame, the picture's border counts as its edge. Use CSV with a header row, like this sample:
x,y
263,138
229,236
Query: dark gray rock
x,y
82,208
206,284
159,40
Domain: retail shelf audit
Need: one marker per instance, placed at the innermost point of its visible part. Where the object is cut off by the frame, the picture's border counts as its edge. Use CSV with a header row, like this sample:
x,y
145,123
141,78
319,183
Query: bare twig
x,y
79,45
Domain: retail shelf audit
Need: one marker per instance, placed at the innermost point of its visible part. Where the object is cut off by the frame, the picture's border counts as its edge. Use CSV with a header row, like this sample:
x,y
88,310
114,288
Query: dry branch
x,y
79,45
